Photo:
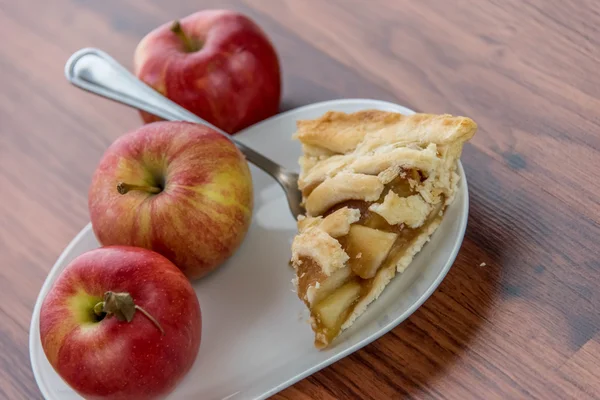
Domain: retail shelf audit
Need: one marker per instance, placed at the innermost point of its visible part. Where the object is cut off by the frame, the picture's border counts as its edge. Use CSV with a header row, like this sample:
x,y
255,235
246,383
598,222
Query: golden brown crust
x,y
371,142
316,244
340,132
340,188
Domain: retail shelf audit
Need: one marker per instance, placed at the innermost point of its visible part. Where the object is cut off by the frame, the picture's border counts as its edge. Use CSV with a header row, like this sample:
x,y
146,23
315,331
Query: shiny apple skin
x,y
114,360
233,81
204,211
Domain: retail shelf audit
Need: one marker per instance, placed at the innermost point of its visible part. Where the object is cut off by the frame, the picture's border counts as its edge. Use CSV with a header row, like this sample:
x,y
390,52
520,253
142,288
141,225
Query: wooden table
x,y
518,316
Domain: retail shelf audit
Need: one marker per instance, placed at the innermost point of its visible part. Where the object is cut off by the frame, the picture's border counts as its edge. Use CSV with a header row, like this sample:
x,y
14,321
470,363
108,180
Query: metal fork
x,y
95,71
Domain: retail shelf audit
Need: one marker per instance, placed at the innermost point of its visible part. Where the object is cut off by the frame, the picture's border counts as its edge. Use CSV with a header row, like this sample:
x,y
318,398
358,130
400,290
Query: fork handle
x,y
95,71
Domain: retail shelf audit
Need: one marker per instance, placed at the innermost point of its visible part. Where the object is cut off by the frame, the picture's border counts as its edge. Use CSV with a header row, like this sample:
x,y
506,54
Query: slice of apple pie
x,y
375,187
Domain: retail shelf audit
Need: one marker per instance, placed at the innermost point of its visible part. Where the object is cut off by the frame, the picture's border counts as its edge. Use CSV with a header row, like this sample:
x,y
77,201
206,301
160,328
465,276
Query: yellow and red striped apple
x,y
180,189
218,64
121,323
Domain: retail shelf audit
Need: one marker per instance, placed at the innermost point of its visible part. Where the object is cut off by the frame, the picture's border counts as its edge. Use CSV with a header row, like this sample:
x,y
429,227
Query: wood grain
x,y
525,325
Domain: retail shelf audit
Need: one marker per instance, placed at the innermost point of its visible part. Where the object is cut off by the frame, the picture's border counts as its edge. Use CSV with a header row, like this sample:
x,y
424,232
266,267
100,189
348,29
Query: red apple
x,y
218,64
180,189
121,323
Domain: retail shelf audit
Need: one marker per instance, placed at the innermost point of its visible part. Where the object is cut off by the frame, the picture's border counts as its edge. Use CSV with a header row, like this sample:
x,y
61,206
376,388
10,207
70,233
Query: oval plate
x,y
256,339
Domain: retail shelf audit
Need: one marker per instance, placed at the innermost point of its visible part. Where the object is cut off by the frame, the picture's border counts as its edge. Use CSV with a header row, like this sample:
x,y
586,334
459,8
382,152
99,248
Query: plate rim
x,y
54,270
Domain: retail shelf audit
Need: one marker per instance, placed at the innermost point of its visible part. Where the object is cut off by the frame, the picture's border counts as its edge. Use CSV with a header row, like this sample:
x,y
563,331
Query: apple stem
x,y
151,318
122,307
123,188
188,44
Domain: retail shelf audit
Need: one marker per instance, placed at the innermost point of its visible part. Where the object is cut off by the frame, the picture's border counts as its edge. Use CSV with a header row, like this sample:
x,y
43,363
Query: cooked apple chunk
x,y
367,248
331,312
320,289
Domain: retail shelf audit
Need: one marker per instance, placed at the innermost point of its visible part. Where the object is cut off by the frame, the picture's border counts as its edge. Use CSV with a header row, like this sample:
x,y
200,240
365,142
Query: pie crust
x,y
375,187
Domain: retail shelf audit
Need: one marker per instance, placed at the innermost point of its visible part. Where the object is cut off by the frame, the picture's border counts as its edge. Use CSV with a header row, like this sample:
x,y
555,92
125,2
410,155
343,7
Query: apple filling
x,y
374,247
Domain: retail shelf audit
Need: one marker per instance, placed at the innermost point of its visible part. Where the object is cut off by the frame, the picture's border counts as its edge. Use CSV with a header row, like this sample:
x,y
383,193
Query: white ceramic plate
x,y
256,340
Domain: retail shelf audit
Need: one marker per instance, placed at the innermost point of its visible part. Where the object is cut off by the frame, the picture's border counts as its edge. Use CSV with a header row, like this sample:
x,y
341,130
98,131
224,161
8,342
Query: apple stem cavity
x,y
123,188
99,311
122,307
189,45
